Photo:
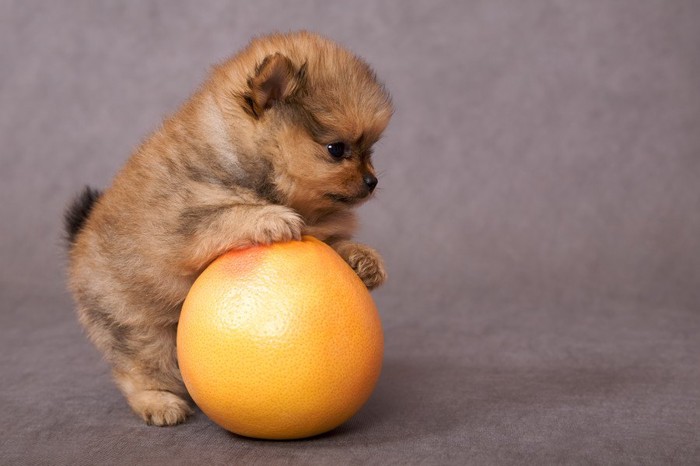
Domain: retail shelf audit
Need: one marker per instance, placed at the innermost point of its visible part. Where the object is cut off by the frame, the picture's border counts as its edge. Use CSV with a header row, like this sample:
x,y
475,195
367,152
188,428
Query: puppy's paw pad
x,y
368,265
161,408
279,226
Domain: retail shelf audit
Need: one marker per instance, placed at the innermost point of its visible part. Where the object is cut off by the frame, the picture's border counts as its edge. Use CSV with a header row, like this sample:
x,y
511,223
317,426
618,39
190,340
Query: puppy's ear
x,y
275,80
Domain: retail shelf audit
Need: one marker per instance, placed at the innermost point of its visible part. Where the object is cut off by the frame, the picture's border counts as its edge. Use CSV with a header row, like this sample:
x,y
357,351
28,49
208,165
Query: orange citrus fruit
x,y
281,341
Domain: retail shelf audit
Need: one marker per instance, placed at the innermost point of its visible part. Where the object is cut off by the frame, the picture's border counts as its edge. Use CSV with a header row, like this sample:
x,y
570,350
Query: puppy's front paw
x,y
278,224
367,263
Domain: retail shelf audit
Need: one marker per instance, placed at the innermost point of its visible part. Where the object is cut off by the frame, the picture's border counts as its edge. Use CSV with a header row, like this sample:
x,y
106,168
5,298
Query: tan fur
x,y
243,162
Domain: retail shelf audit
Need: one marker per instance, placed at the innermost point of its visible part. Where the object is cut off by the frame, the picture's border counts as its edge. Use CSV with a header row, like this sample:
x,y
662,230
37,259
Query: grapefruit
x,y
281,341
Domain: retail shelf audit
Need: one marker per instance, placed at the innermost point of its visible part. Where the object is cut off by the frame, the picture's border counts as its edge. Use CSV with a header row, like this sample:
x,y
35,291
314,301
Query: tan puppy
x,y
277,143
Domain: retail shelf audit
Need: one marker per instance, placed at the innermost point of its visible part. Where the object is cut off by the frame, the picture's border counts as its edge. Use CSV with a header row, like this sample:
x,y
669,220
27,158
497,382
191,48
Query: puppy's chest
x,y
326,229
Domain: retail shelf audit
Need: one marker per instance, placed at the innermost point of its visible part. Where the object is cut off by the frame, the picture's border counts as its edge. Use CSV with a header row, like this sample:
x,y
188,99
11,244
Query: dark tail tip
x,y
78,211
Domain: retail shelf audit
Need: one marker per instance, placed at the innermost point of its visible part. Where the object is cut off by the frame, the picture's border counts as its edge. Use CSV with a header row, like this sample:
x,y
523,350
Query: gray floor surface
x,y
539,213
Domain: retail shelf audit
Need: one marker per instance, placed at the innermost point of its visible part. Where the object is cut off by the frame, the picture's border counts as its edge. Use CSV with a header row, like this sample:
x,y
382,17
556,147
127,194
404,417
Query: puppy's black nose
x,y
371,181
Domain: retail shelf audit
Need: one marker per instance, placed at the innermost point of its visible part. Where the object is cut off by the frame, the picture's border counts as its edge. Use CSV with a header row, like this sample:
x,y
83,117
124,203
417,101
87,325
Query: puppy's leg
x,y
150,379
211,231
366,262
144,365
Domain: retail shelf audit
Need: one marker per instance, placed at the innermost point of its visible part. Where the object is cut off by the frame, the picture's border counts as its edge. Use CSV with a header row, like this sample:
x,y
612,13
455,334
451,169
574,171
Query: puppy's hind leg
x,y
150,379
144,366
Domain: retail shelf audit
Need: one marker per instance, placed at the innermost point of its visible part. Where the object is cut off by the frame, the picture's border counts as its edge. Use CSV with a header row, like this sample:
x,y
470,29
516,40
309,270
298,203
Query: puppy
x,y
276,144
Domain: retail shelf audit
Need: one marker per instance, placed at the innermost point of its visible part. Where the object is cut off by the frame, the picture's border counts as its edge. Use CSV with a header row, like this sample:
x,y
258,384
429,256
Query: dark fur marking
x,y
121,335
267,190
198,173
195,219
170,165
249,106
262,65
258,177
78,211
301,77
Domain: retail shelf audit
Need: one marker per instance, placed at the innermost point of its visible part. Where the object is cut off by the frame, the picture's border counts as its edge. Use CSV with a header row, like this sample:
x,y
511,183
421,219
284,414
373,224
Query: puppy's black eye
x,y
336,149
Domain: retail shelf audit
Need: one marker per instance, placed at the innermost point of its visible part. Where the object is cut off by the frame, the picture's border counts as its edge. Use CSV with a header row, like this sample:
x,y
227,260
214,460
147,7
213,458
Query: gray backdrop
x,y
539,212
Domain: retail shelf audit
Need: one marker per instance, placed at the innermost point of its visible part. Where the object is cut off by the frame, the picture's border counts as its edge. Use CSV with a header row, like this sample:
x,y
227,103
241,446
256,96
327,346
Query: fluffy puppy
x,y
277,143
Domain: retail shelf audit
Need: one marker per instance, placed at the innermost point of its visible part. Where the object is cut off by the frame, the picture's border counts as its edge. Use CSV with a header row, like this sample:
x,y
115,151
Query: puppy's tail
x,y
78,211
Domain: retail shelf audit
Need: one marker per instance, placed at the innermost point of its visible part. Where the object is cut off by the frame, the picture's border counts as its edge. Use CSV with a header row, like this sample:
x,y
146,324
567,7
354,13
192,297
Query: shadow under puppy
x,y
276,143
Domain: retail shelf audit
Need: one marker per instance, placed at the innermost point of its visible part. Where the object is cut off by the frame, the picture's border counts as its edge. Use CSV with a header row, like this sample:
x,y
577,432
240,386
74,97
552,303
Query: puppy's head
x,y
314,111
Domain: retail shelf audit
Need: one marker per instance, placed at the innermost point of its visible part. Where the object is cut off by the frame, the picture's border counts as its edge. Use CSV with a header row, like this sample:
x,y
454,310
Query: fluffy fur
x,y
244,161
